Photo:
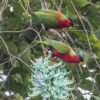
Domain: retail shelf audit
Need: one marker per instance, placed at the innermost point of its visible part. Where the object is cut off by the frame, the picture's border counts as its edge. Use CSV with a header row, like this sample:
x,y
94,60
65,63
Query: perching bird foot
x,y
47,51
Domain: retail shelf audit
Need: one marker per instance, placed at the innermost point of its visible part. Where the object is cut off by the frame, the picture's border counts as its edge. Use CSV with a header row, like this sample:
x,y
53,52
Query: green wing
x,y
47,17
43,42
60,46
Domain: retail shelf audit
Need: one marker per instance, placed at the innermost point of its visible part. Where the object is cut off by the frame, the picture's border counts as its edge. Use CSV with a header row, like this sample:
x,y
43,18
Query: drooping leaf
x,y
18,97
26,15
97,78
81,3
1,66
68,10
12,48
97,34
24,51
93,16
97,44
26,1
96,97
86,84
17,78
9,47
93,38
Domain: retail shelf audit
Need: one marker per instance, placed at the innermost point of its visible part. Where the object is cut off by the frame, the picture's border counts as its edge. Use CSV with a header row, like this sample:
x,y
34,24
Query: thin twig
x,y
3,6
38,33
60,6
94,85
43,4
6,48
85,32
17,58
22,6
15,31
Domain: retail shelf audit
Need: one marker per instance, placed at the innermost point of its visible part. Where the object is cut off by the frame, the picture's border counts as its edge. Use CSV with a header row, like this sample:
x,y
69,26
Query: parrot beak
x,y
70,28
81,63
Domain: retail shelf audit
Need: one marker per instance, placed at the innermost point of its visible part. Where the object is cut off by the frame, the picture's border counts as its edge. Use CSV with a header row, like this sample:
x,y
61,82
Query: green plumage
x,y
60,46
47,17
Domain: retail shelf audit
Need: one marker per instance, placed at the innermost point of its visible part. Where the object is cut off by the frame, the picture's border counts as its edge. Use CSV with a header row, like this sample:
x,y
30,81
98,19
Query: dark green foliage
x,y
18,46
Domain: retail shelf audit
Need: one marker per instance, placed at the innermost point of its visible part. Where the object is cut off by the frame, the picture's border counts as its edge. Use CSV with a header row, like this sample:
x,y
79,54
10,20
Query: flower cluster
x,y
50,80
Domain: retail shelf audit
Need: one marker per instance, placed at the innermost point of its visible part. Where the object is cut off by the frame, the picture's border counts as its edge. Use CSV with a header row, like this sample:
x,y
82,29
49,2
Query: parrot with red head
x,y
51,19
64,52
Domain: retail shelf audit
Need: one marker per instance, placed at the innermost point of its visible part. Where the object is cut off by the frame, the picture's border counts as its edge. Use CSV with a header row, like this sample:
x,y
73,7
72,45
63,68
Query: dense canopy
x,y
18,46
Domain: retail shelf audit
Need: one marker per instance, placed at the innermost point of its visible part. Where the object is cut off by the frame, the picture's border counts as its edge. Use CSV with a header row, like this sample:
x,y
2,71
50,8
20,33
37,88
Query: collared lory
x,y
51,19
64,52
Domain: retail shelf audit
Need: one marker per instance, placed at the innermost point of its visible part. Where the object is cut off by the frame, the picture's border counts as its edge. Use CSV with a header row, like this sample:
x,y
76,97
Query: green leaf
x,y
97,44
26,1
1,66
93,16
96,97
18,97
81,3
36,98
97,78
26,15
12,48
68,10
25,51
97,34
17,78
86,84
14,25
68,66
93,38
78,95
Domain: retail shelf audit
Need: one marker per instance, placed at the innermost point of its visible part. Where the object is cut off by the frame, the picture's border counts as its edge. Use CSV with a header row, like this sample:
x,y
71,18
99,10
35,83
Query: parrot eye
x,y
51,48
72,24
81,58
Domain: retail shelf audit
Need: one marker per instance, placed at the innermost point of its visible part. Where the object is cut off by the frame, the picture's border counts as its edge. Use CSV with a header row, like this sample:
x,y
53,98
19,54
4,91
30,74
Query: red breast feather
x,y
66,57
62,23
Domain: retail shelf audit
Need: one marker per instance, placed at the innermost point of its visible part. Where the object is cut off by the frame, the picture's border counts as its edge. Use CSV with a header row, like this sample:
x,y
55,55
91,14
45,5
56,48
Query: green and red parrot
x,y
63,51
51,19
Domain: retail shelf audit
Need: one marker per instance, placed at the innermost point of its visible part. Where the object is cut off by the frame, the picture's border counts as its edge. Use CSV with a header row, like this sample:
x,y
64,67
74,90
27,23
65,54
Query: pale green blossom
x,y
50,80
